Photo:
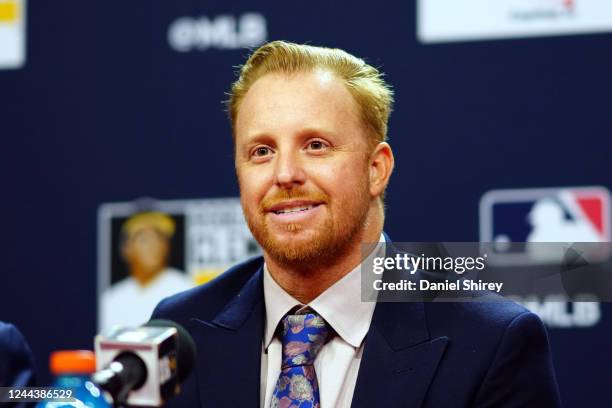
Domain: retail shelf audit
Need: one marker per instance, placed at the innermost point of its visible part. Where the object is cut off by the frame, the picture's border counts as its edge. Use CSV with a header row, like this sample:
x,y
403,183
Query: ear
x,y
381,167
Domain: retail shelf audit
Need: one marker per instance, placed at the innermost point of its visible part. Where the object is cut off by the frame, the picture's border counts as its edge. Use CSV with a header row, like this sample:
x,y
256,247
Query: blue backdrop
x,y
106,110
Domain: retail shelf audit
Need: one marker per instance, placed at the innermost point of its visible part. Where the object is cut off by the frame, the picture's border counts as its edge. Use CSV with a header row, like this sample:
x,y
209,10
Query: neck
x,y
145,276
305,283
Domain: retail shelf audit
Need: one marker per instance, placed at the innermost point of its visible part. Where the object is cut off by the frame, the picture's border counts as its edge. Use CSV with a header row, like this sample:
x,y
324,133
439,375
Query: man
x,y
16,361
145,247
289,329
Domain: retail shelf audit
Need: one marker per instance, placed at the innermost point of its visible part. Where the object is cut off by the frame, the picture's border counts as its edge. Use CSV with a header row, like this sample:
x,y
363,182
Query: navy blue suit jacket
x,y
16,362
477,354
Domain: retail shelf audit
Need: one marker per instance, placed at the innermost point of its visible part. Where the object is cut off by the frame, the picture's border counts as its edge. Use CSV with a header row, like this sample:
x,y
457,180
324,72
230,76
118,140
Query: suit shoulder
x,y
208,299
17,362
474,307
490,316
11,339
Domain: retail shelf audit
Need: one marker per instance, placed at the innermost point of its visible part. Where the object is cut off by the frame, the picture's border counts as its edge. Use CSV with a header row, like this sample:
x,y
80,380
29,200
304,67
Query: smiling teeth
x,y
296,209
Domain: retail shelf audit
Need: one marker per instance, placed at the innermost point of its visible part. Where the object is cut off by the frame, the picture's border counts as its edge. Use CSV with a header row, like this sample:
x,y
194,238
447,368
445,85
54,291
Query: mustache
x,y
282,196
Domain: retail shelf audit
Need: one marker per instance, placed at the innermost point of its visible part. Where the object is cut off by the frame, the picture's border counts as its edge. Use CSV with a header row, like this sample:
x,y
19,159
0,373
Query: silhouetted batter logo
x,y
577,214
548,215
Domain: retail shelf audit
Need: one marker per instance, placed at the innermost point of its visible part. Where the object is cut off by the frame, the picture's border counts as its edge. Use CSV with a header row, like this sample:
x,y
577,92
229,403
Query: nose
x,y
289,171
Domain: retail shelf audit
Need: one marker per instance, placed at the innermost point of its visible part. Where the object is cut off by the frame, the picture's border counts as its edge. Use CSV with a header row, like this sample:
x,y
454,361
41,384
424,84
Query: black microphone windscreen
x,y
186,349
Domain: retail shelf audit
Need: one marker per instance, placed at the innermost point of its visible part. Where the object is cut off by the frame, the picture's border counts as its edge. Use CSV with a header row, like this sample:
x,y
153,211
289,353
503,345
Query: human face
x,y
147,250
302,165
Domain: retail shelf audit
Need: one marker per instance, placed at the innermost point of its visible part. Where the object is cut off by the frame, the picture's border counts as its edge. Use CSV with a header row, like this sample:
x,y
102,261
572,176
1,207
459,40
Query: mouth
x,y
294,207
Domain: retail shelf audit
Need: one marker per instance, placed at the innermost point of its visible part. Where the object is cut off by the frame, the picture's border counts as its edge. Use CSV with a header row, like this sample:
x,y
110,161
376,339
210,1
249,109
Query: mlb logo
x,y
568,215
12,33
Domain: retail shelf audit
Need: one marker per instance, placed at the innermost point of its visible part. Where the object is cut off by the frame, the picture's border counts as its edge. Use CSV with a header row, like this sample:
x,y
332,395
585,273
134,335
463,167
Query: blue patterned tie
x,y
302,337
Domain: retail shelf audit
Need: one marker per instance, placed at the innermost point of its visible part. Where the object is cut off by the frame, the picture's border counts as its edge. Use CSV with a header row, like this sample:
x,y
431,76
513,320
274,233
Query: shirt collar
x,y
278,303
340,305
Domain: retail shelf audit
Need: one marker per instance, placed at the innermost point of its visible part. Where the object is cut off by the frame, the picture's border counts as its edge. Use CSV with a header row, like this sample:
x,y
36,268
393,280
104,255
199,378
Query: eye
x,y
317,145
261,151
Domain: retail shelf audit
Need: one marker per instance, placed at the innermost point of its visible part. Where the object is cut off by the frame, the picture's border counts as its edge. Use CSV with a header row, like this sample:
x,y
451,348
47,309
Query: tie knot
x,y
302,337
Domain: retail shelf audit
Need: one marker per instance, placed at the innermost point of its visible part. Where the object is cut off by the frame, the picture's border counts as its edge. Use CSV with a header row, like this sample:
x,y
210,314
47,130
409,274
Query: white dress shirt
x,y
337,364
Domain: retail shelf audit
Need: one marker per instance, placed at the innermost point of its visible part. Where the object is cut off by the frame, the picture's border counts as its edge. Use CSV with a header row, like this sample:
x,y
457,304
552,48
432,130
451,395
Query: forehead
x,y
279,102
147,231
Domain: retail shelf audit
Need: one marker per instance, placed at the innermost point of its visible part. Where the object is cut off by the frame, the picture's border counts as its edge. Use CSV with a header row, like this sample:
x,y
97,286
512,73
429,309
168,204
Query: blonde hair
x,y
373,95
151,219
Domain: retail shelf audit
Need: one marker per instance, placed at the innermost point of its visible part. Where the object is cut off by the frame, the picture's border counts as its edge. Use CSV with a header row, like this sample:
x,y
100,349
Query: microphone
x,y
144,365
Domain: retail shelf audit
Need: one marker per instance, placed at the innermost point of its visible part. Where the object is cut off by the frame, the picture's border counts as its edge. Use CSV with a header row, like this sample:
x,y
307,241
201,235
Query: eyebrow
x,y
265,137
317,132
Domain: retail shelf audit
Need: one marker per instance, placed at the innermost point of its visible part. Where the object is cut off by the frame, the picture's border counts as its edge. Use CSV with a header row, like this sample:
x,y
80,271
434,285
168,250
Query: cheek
x,y
341,179
253,186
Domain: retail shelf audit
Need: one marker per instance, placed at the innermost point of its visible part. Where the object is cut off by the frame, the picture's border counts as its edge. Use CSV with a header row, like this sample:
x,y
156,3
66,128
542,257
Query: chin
x,y
304,248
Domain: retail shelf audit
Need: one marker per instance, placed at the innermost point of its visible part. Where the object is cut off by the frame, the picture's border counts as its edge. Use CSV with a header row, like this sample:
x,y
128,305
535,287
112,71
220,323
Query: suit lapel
x,y
229,350
399,359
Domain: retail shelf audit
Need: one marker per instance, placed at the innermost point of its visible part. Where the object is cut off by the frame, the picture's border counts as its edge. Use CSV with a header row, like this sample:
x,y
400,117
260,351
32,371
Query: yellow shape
x,y
8,11
206,275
